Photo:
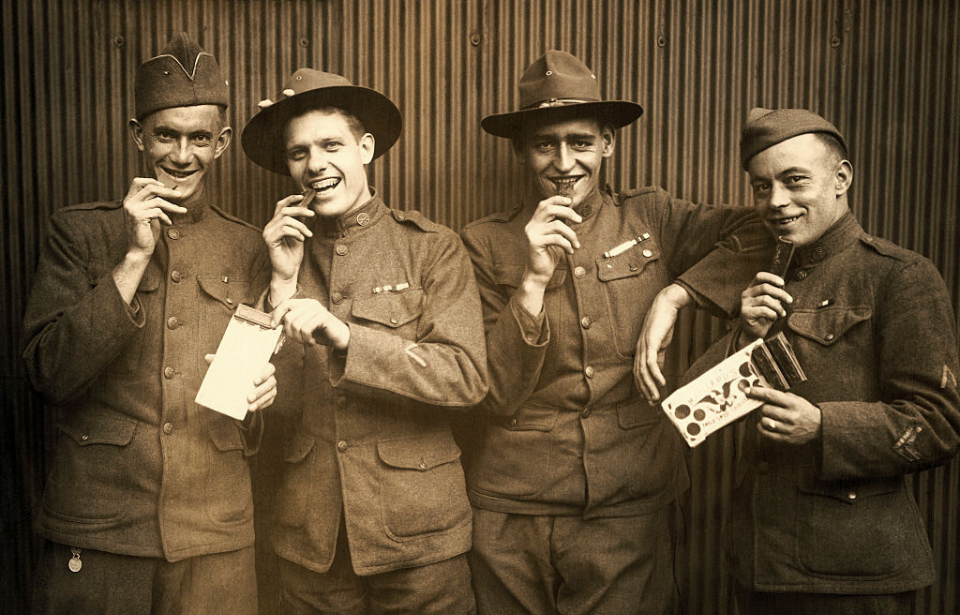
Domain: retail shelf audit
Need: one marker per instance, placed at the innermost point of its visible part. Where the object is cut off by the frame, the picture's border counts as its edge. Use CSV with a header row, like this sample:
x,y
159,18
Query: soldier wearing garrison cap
x,y
372,514
823,520
147,508
576,476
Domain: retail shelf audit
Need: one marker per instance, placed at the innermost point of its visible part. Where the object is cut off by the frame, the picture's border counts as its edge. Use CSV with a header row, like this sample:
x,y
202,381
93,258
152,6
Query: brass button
x,y
829,336
818,253
513,422
423,464
169,372
173,322
589,371
168,428
229,301
342,250
342,401
342,446
852,496
801,274
647,253
175,275
586,413
634,267
337,298
579,272
585,322
84,437
394,321
363,219
173,234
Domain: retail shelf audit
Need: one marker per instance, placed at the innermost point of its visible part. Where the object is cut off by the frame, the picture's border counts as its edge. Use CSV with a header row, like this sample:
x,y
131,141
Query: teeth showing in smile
x,y
786,221
178,174
325,184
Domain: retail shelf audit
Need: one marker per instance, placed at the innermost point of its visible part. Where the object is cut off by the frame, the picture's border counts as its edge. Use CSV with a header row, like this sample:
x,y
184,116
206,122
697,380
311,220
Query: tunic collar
x,y
356,221
838,237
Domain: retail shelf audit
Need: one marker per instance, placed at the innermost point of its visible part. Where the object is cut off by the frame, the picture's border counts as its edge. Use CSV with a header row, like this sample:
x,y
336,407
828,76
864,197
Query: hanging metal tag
x,y
75,564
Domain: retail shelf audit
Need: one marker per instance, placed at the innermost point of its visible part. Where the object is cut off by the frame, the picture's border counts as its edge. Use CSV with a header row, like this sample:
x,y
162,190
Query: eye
x,y
165,136
761,188
296,154
332,146
202,139
795,180
583,144
543,146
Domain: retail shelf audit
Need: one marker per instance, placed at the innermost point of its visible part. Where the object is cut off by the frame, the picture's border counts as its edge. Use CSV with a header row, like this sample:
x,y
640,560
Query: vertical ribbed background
x,y
886,72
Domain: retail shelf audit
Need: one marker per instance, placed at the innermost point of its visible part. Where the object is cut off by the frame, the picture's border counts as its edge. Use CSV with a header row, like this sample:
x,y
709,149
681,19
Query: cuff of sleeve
x,y
535,330
134,310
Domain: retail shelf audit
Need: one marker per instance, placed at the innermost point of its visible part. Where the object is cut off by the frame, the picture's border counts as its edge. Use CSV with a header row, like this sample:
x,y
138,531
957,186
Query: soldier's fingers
x,y
559,241
262,389
287,202
768,278
562,212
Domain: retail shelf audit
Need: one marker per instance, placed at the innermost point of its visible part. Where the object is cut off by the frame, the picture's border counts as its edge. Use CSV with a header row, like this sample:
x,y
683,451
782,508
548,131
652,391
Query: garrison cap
x,y
765,128
557,87
182,75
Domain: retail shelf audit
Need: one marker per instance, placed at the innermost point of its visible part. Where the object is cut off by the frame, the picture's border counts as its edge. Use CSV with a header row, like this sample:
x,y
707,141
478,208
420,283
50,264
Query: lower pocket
x,y
422,488
856,528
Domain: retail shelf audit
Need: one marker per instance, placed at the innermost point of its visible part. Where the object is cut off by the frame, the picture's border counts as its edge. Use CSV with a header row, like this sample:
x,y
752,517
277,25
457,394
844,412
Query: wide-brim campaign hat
x,y
557,87
309,89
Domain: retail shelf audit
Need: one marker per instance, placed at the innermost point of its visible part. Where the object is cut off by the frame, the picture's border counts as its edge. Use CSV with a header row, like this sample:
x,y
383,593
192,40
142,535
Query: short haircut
x,y
832,144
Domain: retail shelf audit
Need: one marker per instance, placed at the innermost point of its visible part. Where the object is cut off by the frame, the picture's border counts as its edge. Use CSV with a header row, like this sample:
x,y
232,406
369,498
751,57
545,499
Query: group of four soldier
x,y
532,323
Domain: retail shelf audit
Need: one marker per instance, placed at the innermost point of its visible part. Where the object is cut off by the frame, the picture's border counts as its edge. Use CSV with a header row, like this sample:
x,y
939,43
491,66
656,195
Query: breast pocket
x,y
396,312
830,338
628,293
218,300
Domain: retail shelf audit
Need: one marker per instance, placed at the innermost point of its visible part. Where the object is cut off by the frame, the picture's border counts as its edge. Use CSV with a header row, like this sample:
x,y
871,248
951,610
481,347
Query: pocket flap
x,y
391,309
512,276
298,447
852,492
86,429
533,418
628,264
636,413
826,326
230,293
226,435
416,454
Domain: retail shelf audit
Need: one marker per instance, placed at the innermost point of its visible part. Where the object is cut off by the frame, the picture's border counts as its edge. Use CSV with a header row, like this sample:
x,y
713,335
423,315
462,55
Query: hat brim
x,y
263,135
619,113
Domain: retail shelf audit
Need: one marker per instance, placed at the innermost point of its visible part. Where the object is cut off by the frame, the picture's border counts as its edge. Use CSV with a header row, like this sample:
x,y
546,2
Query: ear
x,y
608,141
223,141
367,145
136,131
843,178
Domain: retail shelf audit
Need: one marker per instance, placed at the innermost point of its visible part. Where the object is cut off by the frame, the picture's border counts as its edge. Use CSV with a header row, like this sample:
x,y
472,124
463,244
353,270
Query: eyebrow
x,y
568,137
795,171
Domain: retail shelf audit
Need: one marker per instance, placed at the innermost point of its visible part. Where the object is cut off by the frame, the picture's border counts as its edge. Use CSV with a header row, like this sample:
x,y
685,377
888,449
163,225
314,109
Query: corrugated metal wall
x,y
885,72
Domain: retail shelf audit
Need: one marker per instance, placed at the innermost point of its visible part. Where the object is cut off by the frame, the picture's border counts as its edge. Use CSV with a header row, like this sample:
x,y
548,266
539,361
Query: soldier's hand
x,y
786,417
284,235
654,339
761,304
308,322
548,237
145,208
265,386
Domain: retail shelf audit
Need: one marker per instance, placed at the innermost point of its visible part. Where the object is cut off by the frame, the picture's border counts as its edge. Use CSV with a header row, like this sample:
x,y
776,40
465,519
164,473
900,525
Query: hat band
x,y
557,102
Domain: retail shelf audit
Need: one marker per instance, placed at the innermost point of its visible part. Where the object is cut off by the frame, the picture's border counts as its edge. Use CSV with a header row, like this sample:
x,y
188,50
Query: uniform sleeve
x,y
446,364
74,325
516,340
713,250
916,423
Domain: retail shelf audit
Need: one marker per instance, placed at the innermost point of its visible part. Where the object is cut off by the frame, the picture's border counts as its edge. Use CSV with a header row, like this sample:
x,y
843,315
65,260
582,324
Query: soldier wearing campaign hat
x,y
147,508
576,476
823,520
372,513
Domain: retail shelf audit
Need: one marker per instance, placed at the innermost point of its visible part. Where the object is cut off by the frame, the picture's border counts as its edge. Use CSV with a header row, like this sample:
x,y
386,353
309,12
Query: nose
x,y
779,196
317,161
183,152
564,160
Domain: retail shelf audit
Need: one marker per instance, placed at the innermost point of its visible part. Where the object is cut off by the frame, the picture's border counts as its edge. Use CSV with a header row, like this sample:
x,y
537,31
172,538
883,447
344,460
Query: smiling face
x,y
327,151
566,156
179,145
800,186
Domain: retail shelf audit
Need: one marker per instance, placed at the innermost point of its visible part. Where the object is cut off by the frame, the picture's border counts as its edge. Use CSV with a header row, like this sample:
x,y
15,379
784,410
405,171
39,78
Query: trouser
x,y
750,602
111,584
545,564
439,588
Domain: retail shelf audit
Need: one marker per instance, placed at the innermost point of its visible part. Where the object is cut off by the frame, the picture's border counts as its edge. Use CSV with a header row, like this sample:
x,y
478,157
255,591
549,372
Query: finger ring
x,y
772,425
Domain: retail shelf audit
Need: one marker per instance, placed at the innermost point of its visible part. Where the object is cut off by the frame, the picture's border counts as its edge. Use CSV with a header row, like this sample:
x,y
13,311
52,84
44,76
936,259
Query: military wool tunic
x,y
872,327
141,469
566,431
372,437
